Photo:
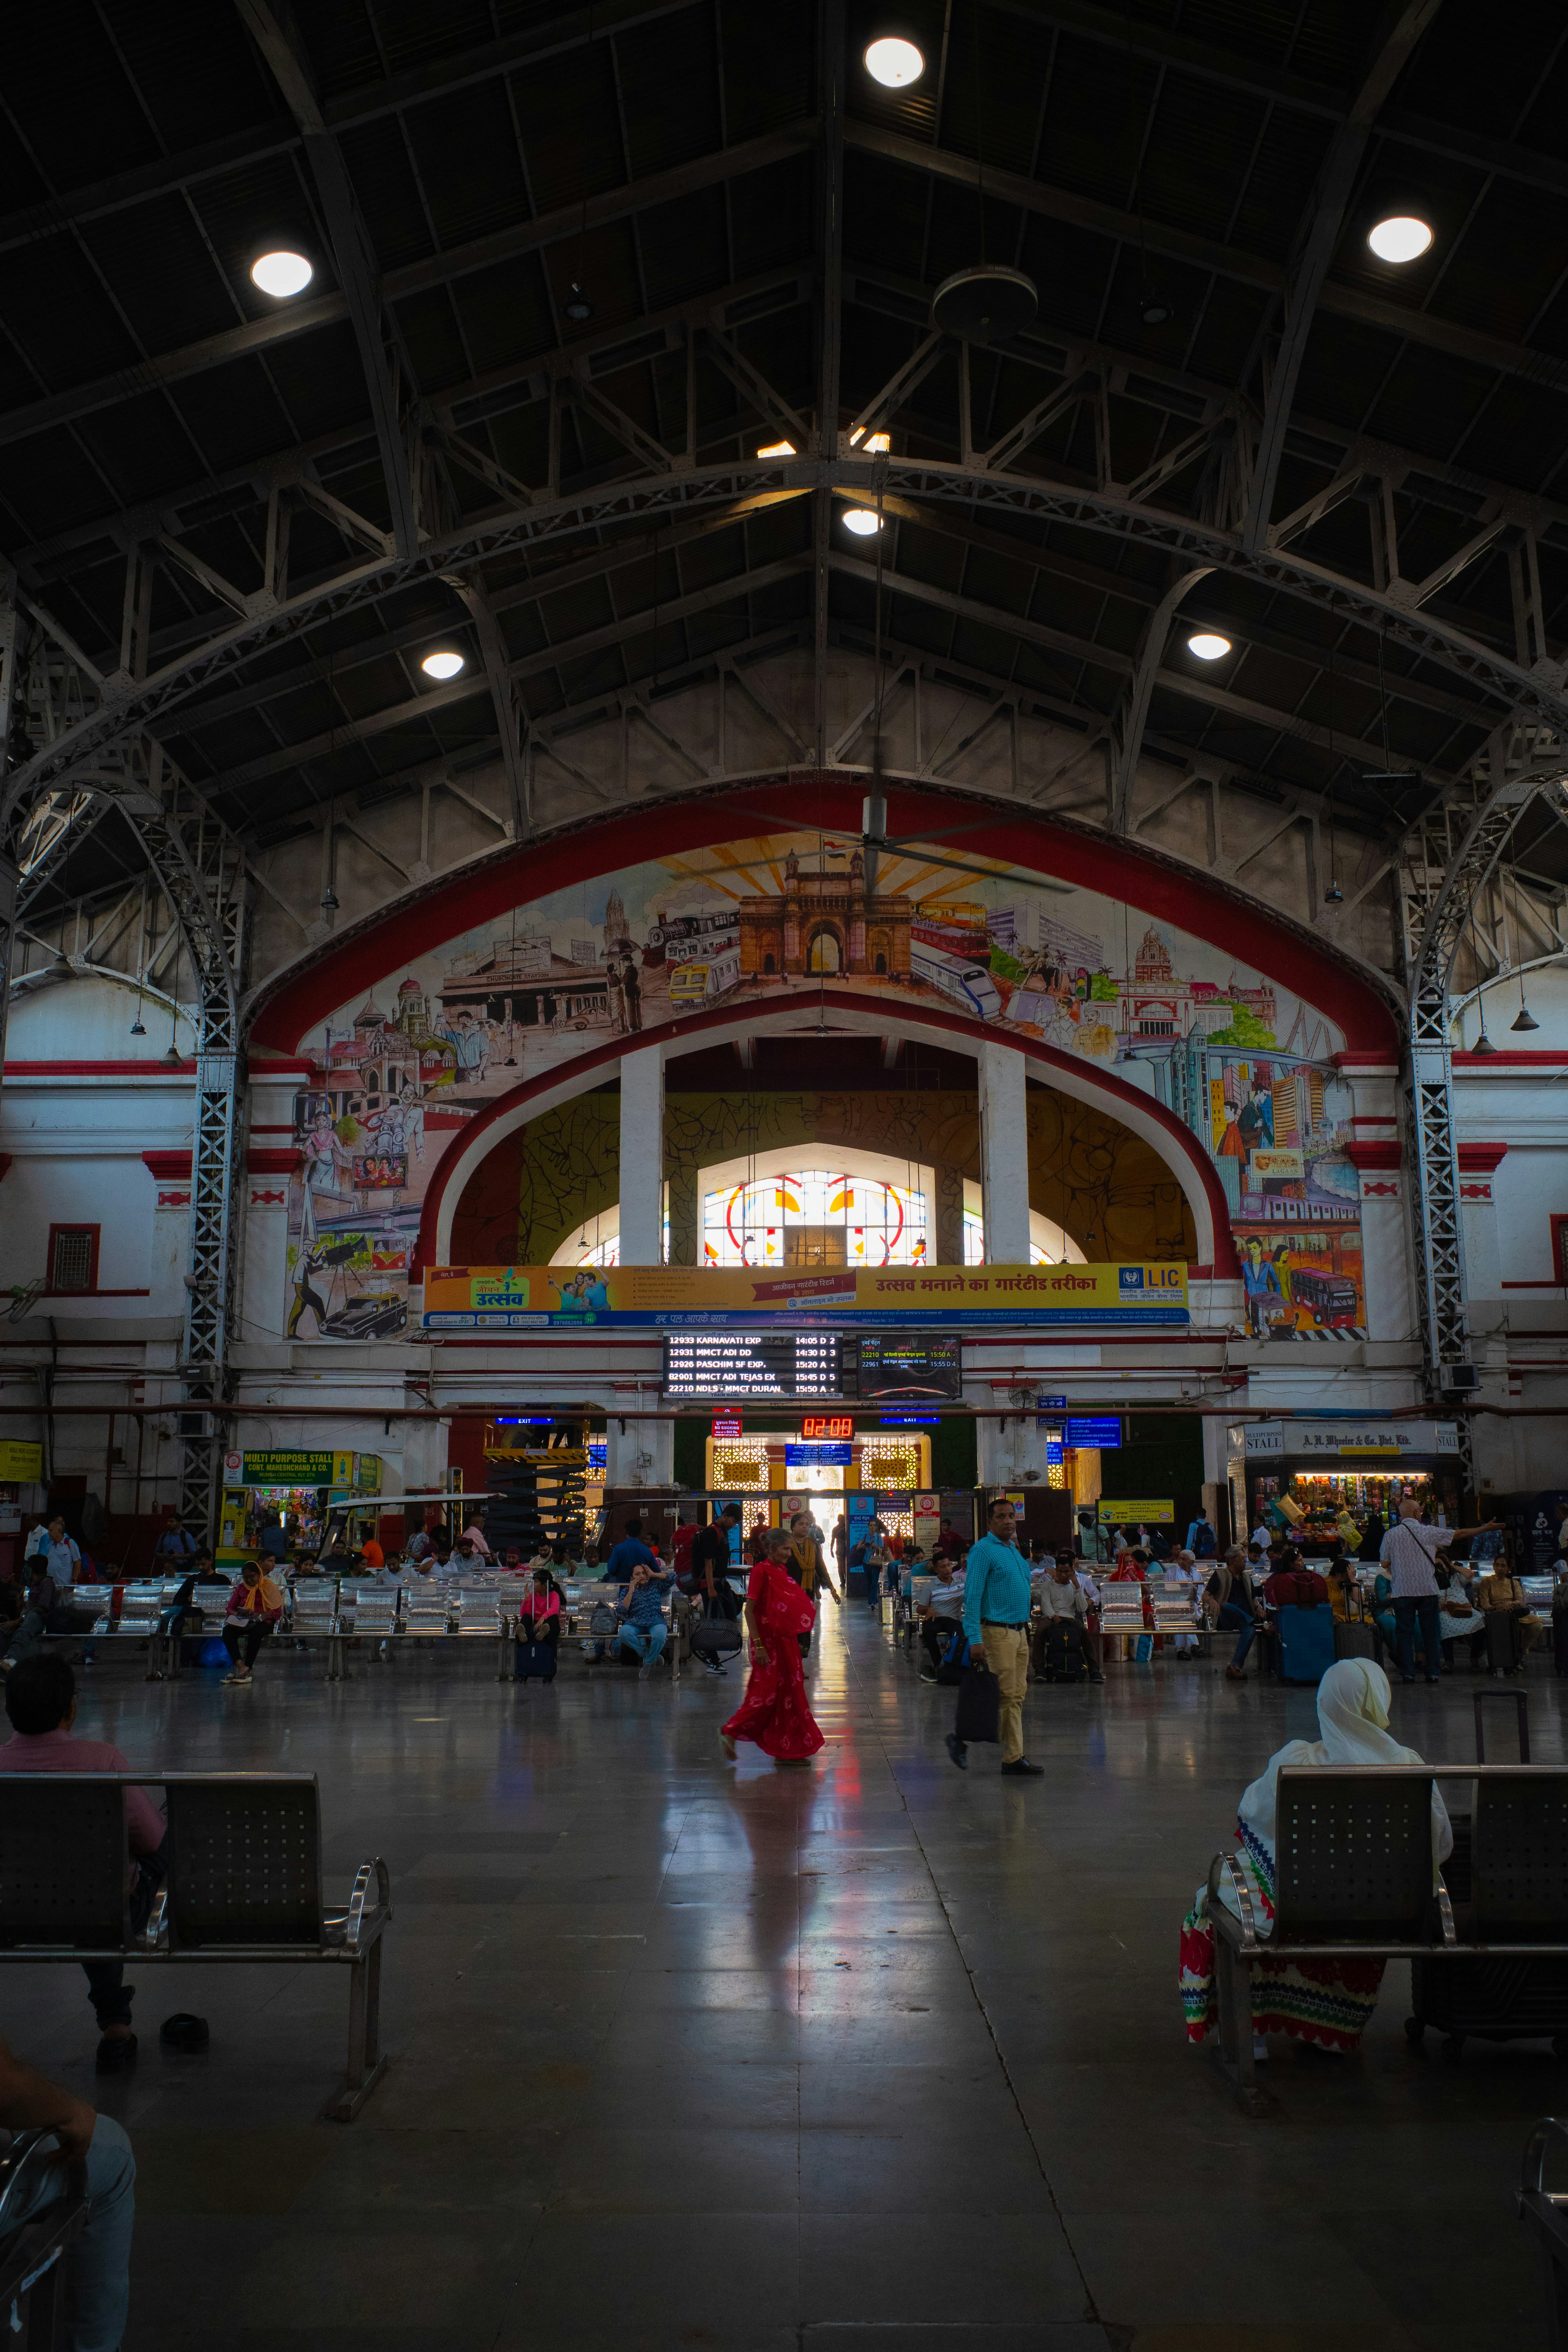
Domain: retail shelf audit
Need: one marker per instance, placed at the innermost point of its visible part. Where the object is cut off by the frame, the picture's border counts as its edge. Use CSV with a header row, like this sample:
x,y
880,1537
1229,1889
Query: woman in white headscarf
x,y
1326,2001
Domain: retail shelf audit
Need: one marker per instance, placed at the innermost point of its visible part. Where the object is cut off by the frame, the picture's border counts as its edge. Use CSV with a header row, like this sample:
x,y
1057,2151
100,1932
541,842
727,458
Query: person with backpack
x,y
1202,1541
713,1594
775,1711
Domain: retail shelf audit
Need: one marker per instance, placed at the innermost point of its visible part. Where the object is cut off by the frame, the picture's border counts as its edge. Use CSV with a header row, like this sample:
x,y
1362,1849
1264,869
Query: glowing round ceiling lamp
x,y
282,273
894,62
1208,645
1401,237
862,522
442,664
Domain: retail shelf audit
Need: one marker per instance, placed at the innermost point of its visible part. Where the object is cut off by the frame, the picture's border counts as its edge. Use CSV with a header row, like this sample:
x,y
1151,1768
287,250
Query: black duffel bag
x,y
714,1635
979,1706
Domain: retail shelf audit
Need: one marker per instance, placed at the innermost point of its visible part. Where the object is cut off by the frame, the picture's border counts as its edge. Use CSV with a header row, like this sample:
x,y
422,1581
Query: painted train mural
x,y
1247,1066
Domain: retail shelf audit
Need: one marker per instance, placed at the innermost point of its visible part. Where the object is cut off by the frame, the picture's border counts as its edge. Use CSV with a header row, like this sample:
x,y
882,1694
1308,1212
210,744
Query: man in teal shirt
x,y
996,1628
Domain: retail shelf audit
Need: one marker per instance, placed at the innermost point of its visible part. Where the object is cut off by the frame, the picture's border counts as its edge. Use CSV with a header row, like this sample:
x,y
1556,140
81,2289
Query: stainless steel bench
x,y
1353,1880
244,1884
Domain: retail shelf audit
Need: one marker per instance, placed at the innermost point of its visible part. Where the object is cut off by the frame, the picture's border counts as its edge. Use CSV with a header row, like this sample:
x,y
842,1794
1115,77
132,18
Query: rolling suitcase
x,y
1355,1640
1306,1643
1502,1642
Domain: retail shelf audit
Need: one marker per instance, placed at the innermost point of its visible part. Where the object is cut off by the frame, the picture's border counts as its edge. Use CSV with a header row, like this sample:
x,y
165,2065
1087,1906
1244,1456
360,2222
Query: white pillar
x,y
1004,1155
643,1453
642,1156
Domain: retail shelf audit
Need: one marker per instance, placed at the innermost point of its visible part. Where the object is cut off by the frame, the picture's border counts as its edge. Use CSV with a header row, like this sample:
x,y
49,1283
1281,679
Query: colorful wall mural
x,y
1241,1061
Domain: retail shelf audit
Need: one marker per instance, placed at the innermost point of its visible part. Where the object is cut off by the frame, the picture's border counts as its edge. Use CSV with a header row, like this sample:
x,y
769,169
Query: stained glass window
x,y
813,1216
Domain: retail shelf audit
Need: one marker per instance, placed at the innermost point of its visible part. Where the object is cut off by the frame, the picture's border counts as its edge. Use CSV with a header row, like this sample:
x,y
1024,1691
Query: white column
x,y
644,1453
642,1156
1005,1155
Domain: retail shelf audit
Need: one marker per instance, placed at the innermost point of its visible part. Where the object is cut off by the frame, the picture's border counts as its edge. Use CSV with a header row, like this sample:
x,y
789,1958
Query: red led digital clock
x,y
827,1425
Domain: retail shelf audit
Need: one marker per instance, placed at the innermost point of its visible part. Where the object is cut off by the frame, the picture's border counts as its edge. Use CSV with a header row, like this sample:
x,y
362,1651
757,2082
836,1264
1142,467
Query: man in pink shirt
x,y
40,1699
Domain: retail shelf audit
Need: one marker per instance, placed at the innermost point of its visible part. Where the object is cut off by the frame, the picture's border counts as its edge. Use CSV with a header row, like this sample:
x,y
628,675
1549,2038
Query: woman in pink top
x,y
255,1607
40,1699
539,1630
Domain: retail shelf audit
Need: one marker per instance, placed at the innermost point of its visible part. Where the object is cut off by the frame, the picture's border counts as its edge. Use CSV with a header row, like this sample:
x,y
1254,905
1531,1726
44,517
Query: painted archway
x,y
1204,1025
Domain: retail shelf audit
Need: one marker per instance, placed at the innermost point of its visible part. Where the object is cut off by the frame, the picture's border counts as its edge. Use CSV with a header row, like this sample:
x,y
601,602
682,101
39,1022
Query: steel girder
x,y
199,866
1450,855
126,705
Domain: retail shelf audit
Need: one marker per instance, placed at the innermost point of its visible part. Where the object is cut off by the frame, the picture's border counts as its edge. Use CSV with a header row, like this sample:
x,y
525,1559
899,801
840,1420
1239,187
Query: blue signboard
x,y
817,1457
910,1419
1103,1432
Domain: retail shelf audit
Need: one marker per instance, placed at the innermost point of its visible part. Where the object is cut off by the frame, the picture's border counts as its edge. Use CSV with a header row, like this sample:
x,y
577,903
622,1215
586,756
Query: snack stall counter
x,y
314,1493
1313,1480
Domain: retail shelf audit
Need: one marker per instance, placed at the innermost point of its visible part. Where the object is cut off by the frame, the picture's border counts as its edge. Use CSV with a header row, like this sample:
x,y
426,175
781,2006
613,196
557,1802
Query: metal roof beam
x,y
414,278
1227,262
1316,242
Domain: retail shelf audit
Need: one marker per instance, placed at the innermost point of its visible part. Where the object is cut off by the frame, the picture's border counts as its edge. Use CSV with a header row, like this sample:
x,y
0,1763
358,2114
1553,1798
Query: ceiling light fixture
x,y
1153,311
777,450
1483,1045
444,664
861,521
282,273
1401,237
1208,645
139,1026
894,62
1333,895
329,900
1524,1018
576,305
174,1059
986,303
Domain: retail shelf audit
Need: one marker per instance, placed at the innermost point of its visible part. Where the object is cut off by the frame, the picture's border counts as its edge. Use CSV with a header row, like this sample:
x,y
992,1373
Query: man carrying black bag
x,y
996,1627
713,1594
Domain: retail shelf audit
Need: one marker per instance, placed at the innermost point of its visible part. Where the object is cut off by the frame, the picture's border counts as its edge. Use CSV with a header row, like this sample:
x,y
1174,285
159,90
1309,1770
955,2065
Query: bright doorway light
x,y
282,273
894,63
444,664
1401,237
861,521
1208,645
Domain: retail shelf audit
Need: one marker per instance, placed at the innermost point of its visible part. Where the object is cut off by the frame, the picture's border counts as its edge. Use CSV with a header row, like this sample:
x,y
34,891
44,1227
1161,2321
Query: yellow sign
x,y
1135,1515
21,1462
676,1297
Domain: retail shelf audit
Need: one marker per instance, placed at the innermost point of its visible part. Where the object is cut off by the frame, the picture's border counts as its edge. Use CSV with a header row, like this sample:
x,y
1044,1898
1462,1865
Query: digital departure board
x,y
747,1364
910,1364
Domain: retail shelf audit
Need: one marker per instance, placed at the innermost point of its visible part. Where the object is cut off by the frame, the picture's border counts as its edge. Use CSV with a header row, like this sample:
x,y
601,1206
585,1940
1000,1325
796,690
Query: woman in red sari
x,y
774,1712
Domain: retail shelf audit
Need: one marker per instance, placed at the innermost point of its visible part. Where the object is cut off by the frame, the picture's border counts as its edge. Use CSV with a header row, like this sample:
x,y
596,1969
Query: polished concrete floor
x,y
876,2055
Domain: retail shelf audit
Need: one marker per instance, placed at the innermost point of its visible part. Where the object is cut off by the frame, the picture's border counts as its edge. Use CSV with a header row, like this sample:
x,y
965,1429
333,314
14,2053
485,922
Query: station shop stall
x,y
1314,1480
317,1495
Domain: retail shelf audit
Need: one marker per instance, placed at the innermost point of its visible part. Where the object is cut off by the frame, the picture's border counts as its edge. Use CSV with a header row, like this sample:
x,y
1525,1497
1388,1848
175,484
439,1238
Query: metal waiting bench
x,y
1354,1881
244,1884
1544,2213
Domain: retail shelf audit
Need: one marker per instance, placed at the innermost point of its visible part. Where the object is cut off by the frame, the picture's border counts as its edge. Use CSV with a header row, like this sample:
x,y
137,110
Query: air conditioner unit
x,y
1458,1380
195,1424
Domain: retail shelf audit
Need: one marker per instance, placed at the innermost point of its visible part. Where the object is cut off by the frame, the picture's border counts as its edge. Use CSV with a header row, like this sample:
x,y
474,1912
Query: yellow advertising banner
x,y
21,1462
1135,1515
685,1298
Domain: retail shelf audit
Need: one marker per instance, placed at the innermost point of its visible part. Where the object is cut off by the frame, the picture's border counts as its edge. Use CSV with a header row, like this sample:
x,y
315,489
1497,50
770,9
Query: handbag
x,y
604,1620
715,1635
979,1714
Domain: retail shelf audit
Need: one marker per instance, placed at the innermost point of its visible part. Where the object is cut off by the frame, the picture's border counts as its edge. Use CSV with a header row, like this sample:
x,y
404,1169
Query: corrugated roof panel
x,y
64,82
1095,117
571,129
413,34
161,274
387,187
1200,145
466,150
997,62
1280,182
503,313
769,64
195,68
669,74
684,248
341,43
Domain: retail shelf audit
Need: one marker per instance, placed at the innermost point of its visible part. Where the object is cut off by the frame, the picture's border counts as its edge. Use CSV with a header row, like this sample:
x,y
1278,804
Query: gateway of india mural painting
x,y
1247,1067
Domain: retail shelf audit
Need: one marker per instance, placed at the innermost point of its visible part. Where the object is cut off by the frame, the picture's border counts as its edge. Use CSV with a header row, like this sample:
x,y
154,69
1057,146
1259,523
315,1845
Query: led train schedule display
x,y
764,1363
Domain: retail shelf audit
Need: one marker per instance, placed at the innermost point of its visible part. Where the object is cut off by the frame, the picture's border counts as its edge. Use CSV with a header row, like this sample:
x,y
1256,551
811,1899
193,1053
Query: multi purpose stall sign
x,y
1353,1442
524,1298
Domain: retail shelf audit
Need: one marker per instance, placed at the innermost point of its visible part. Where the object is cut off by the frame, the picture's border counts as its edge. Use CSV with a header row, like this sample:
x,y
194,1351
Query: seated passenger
x,y
38,1605
1327,2001
942,1619
1343,1590
1064,1627
1502,1593
1230,1602
1293,1584
40,1699
539,1628
641,1609
101,2256
254,1606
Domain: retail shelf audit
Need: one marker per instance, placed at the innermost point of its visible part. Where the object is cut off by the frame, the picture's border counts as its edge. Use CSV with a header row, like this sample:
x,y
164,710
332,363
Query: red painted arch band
x,y
829,800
